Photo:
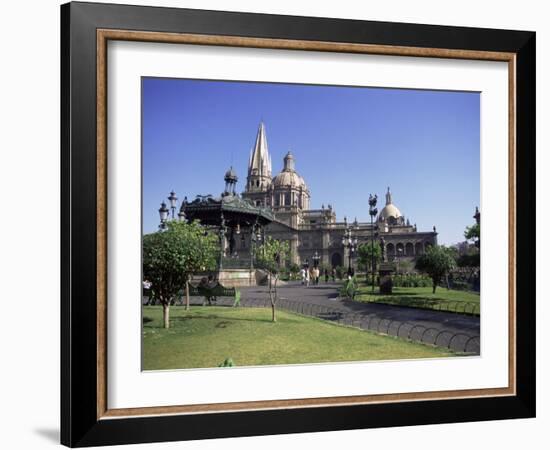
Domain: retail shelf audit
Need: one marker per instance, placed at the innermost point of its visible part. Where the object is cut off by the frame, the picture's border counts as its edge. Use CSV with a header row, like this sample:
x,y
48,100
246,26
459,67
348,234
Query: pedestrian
x,y
326,275
316,270
303,275
307,278
333,275
147,297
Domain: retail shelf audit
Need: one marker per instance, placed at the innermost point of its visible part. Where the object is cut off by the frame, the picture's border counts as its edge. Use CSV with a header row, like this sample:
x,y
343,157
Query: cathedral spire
x,y
260,162
388,197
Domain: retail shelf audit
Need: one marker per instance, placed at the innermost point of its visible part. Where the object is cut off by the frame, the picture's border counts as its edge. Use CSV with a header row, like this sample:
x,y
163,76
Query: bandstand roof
x,y
208,210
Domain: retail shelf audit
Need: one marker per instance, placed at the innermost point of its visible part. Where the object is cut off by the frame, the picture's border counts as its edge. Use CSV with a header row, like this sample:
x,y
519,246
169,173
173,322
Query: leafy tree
x,y
172,256
437,262
366,253
472,233
269,256
405,266
470,259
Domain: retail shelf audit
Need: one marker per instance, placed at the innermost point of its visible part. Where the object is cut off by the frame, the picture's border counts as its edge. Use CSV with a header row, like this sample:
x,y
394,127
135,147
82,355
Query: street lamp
x,y
255,241
163,213
399,254
222,236
349,242
173,202
372,212
316,259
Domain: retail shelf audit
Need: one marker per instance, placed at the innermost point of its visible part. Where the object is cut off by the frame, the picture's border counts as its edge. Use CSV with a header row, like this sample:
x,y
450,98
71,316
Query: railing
x,y
453,306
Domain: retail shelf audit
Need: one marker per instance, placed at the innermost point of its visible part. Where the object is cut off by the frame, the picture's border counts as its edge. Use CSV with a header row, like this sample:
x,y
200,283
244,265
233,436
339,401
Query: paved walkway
x,y
417,324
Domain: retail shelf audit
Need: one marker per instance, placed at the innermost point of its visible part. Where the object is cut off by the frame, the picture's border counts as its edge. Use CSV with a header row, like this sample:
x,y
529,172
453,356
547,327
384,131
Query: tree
x,y
269,256
472,233
172,256
437,262
366,253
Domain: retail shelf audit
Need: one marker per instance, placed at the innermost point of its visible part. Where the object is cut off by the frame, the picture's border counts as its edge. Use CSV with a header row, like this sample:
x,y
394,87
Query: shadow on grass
x,y
422,302
224,319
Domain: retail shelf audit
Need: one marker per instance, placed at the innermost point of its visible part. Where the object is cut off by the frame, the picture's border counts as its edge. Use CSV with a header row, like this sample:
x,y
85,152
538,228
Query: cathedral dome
x,y
231,174
288,176
389,211
289,179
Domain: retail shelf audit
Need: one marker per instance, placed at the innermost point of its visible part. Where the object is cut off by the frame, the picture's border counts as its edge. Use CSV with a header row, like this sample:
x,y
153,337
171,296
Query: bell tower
x,y
258,180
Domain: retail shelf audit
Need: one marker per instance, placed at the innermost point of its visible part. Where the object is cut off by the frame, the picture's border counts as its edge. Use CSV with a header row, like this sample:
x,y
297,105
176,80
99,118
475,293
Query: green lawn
x,y
422,297
206,336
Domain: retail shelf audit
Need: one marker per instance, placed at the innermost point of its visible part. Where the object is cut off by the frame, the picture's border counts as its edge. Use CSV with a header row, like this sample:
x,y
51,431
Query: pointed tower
x,y
259,163
388,197
258,181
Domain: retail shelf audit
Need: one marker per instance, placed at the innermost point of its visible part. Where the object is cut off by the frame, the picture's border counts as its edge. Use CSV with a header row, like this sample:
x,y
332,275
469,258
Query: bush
x,y
284,274
411,280
294,270
460,285
350,288
228,362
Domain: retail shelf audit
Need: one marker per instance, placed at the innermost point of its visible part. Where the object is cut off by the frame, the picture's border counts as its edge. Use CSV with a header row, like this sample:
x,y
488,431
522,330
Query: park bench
x,y
211,291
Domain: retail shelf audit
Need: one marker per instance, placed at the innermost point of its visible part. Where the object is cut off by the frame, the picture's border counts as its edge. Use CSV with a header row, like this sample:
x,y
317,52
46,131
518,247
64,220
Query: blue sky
x,y
347,142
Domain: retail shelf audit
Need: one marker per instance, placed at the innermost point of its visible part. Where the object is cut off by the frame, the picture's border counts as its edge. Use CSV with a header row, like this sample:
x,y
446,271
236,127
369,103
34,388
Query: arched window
x,y
400,250
390,250
419,249
288,202
409,249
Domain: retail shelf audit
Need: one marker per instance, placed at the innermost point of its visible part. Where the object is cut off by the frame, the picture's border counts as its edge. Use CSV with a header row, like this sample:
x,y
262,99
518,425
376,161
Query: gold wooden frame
x,y
104,35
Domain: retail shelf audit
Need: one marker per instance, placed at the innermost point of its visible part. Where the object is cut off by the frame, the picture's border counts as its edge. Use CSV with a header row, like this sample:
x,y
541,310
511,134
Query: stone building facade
x,y
317,231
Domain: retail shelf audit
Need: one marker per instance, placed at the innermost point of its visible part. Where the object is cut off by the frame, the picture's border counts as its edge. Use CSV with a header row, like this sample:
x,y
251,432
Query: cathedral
x,y
316,233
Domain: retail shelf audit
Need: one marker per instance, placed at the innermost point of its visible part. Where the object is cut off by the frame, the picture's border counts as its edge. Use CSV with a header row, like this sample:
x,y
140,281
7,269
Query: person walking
x,y
326,275
303,275
307,277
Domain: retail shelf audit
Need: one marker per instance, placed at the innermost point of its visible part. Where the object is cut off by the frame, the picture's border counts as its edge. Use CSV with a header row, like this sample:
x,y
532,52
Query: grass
x,y
206,336
422,297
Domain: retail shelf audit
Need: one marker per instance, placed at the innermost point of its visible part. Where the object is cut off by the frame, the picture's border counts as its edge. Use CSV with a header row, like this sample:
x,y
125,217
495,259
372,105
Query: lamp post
x,y
399,254
255,239
222,232
316,259
349,242
173,203
163,213
477,217
372,212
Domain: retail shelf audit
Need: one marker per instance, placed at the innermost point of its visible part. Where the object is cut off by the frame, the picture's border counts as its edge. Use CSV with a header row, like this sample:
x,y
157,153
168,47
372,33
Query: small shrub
x,y
228,362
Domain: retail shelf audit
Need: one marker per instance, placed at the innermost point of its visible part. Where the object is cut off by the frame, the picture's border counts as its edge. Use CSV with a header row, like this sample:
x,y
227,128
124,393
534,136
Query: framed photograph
x,y
276,224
